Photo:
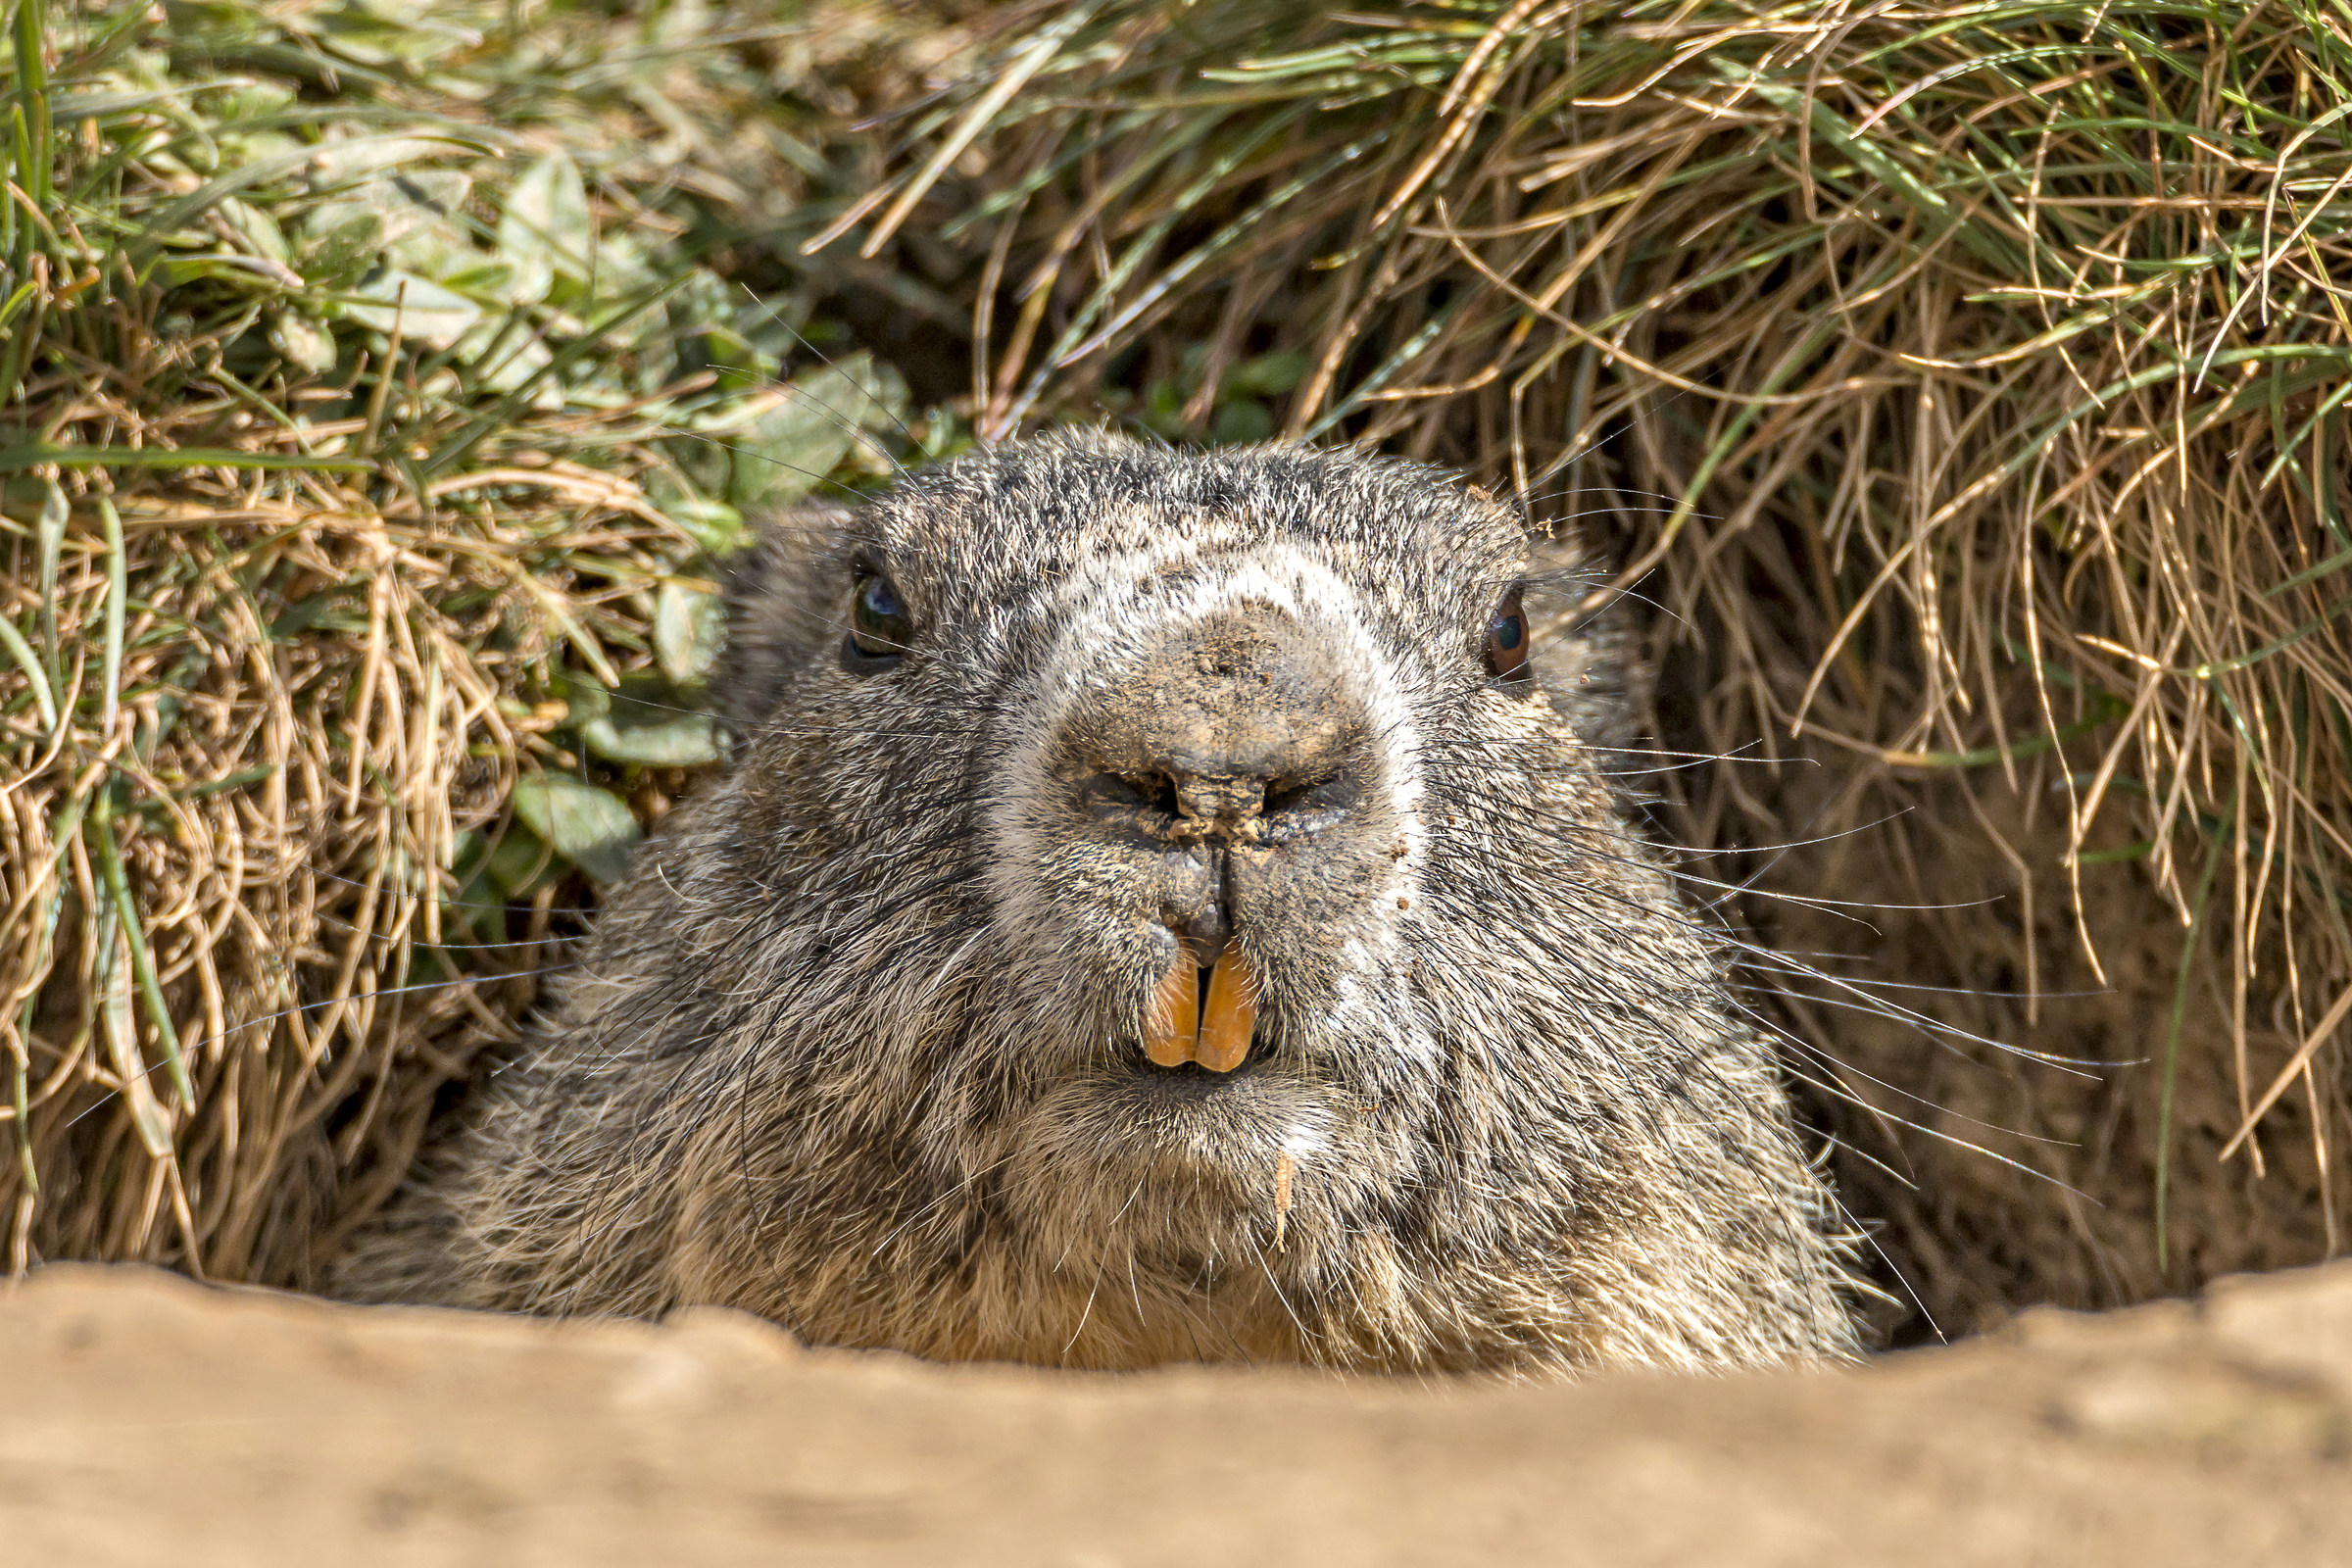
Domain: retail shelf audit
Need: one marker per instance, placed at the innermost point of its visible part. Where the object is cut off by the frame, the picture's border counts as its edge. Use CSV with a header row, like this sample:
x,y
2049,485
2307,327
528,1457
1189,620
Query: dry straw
x,y
1964,385
370,417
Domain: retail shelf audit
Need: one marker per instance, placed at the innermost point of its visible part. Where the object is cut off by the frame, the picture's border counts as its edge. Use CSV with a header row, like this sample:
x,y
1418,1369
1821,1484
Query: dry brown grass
x,y
1964,387
283,805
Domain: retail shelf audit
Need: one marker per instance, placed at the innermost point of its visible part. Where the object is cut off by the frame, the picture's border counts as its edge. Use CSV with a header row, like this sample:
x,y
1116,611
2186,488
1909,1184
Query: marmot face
x,y
1163,906
1176,859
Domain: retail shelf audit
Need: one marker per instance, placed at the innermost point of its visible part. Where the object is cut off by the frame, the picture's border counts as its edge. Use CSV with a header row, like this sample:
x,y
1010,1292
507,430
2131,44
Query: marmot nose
x,y
1242,727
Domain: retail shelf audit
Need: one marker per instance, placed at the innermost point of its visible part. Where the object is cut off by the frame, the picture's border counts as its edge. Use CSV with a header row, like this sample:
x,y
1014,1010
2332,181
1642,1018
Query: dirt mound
x,y
149,1418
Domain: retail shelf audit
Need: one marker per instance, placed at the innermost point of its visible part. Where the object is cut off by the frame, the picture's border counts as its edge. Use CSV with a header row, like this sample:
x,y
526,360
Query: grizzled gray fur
x,y
858,1045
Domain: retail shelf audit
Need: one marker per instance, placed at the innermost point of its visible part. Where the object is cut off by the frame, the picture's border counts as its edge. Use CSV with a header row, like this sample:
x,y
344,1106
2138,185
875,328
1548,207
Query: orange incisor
x,y
1217,1035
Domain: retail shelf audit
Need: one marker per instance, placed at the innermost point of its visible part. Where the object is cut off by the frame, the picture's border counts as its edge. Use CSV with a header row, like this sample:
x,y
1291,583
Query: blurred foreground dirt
x,y
146,1419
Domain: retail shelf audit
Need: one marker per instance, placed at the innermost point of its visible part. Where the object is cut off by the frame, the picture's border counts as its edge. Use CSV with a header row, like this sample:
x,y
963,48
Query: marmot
x,y
1163,906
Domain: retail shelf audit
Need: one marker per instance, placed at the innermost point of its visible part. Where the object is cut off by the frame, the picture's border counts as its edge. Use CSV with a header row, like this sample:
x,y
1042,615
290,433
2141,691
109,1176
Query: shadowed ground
x,y
148,1419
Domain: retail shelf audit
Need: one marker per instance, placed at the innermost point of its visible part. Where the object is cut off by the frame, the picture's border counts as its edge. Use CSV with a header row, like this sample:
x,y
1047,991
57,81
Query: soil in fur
x,y
149,1419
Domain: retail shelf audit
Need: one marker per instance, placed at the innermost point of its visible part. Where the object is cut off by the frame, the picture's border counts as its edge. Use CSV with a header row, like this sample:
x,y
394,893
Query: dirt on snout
x,y
145,1419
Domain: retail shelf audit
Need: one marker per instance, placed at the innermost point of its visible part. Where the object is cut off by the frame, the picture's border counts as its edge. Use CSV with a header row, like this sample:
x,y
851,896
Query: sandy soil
x,y
145,1419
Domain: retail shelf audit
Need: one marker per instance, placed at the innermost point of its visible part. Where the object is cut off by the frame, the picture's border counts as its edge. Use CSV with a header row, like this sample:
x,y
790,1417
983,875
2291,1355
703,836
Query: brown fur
x,y
856,1045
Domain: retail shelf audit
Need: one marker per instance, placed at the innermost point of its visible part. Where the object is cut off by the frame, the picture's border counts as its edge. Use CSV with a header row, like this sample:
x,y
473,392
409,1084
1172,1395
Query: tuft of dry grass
x,y
1964,384
379,385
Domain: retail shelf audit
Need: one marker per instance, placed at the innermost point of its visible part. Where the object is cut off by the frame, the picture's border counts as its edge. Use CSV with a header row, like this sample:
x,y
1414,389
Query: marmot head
x,y
1157,821
1164,905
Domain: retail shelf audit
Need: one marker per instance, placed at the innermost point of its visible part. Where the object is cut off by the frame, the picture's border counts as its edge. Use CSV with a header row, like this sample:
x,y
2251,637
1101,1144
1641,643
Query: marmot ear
x,y
780,610
1582,645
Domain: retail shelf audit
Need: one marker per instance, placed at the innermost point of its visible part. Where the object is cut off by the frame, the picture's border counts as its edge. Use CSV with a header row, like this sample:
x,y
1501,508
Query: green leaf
x,y
351,158
299,618
716,526
303,341
504,361
1267,375
805,428
339,252
689,628
237,271
520,864
590,827
392,207
425,312
257,228
1241,420
645,723
583,699
545,231
687,740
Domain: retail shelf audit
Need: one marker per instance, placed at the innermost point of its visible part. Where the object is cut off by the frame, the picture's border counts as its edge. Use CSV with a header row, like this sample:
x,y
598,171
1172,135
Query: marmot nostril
x,y
1326,791
1237,715
1185,808
1110,792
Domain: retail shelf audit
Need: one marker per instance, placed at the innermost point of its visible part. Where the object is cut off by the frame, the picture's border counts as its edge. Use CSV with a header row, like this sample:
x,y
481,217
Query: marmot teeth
x,y
1231,1014
1215,1033
1175,1013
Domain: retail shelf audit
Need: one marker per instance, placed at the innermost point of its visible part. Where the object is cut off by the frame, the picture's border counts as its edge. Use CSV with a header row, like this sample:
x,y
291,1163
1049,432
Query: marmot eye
x,y
1506,637
879,627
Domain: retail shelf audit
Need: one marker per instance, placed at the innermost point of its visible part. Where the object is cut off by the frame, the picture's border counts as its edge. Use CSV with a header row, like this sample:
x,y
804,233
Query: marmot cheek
x,y
1305,902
